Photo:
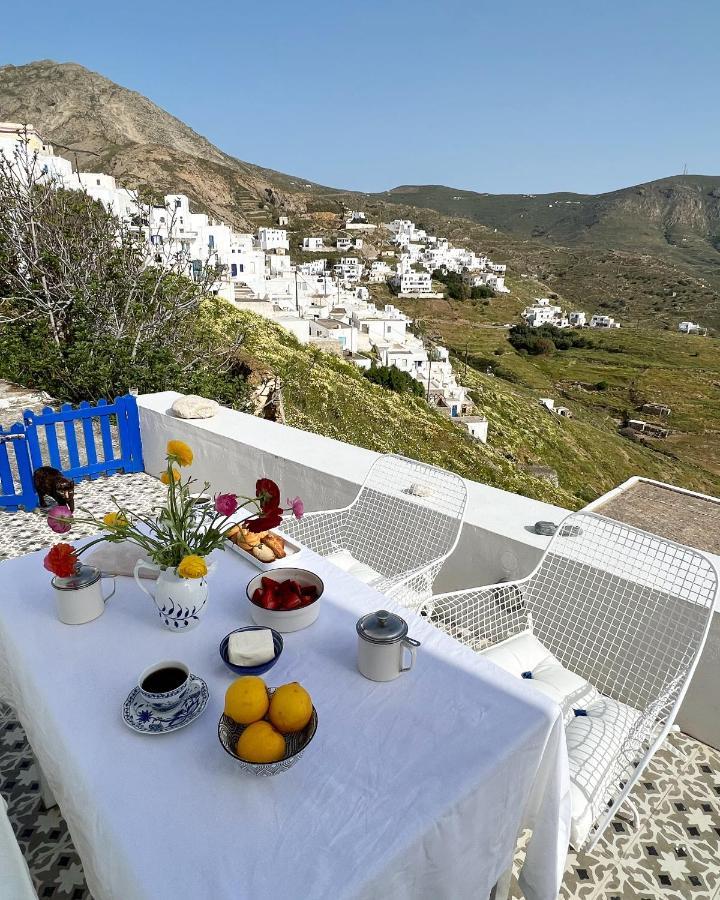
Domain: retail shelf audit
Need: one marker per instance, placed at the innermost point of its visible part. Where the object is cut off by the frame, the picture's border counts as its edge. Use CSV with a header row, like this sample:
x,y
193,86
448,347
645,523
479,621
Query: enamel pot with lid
x,y
79,598
382,642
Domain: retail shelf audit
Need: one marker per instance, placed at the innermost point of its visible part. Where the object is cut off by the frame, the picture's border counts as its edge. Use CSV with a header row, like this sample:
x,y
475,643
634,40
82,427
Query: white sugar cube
x,y
251,648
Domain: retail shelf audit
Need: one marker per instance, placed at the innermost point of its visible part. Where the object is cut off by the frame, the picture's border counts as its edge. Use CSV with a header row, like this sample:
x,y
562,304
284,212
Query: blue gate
x,y
36,442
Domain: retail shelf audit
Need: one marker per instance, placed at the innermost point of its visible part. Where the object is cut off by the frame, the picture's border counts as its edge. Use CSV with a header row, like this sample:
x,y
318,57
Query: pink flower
x,y
297,506
59,518
226,504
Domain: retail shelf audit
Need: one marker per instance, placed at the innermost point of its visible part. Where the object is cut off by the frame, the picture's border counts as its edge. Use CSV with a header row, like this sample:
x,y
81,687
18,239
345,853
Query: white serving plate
x,y
291,551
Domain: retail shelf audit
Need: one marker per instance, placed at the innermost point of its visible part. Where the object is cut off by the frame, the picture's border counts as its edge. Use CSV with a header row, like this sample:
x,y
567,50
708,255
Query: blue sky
x,y
500,97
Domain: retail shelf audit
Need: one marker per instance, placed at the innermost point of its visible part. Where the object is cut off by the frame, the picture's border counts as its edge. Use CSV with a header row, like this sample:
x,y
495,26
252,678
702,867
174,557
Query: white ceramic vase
x,y
180,602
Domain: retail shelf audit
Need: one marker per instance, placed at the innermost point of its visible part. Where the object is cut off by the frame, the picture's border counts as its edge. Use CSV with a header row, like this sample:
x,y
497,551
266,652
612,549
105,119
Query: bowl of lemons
x,y
266,730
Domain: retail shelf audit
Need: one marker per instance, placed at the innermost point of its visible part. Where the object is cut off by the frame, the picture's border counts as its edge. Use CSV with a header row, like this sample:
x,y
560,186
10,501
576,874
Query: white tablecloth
x,y
411,789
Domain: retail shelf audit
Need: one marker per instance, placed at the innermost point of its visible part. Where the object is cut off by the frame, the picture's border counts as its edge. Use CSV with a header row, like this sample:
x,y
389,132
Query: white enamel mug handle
x,y
412,646
143,564
106,598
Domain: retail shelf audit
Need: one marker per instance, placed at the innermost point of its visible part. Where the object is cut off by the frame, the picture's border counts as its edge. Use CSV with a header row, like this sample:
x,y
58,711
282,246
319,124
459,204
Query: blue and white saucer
x,y
147,720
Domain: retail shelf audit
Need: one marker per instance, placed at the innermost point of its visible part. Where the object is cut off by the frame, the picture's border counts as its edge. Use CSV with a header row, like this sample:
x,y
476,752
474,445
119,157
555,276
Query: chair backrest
x,y
406,514
625,609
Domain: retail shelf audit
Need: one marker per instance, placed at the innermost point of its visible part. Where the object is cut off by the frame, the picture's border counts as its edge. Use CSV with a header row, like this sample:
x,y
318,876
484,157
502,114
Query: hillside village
x,y
322,303
299,274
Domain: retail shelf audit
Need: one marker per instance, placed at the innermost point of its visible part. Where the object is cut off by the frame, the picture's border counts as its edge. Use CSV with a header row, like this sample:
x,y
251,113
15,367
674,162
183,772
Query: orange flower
x,y
165,477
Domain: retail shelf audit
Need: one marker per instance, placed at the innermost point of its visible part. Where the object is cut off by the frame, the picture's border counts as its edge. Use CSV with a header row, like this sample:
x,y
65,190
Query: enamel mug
x,y
382,642
79,598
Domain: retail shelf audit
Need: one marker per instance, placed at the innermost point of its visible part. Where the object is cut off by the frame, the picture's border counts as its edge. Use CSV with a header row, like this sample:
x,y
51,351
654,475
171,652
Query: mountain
x,y
646,254
105,127
611,253
675,219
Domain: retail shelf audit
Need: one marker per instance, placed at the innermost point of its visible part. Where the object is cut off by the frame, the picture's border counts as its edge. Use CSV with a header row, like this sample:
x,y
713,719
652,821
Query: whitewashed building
x,y
691,328
600,321
313,244
269,239
577,319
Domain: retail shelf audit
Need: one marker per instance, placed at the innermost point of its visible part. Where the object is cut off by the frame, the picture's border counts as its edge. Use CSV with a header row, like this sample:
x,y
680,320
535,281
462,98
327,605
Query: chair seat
x,y
594,738
344,560
526,657
594,742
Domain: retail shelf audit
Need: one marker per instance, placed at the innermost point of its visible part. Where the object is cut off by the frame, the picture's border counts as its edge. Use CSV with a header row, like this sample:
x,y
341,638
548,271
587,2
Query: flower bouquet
x,y
177,537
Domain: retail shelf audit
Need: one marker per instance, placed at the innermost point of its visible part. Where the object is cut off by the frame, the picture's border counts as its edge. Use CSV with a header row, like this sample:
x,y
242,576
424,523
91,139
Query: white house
x,y
691,328
412,282
477,426
333,329
542,315
316,267
313,243
269,239
599,321
348,269
379,272
13,135
119,201
577,319
283,221
388,325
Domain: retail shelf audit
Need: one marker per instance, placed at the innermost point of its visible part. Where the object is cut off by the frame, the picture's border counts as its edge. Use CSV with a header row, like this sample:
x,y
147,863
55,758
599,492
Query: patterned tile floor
x,y
673,855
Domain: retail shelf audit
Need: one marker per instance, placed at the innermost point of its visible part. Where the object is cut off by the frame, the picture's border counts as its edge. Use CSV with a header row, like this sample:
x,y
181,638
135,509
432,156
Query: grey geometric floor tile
x,y
674,854
24,532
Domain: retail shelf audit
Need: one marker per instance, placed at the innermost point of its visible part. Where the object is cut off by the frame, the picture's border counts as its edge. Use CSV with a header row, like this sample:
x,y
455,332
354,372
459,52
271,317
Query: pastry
x,y
263,553
275,543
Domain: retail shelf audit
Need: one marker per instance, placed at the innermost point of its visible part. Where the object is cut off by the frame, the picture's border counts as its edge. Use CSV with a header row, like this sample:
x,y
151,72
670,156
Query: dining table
x,y
413,788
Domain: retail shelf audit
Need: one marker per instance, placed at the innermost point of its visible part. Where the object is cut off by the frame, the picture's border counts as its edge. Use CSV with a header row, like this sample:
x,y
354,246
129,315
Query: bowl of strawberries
x,y
286,600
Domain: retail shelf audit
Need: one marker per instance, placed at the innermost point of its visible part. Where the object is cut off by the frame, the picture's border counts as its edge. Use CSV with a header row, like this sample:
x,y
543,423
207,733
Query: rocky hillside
x,y
105,127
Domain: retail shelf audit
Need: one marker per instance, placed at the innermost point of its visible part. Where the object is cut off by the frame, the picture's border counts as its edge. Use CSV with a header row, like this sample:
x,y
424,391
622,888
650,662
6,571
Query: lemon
x,y
290,708
246,700
260,743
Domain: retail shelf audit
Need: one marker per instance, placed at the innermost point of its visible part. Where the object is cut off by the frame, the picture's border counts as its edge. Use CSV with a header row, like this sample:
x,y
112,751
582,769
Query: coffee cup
x,y
164,684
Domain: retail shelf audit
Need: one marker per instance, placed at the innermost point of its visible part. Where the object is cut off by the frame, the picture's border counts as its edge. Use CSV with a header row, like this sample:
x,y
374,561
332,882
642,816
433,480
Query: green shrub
x,y
394,379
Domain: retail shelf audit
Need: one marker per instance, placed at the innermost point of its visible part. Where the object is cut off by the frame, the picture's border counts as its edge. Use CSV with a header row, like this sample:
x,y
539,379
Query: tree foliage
x,y
86,310
545,339
394,379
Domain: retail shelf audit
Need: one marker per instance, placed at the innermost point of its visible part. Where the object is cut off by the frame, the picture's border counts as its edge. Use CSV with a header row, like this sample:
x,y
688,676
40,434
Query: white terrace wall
x,y
232,450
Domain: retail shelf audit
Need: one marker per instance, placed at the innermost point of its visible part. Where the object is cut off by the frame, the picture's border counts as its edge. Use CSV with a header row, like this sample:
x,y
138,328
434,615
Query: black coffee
x,y
163,680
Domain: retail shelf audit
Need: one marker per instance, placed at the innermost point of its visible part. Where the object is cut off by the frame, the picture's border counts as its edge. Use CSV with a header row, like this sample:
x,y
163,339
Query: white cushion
x,y
593,740
344,560
525,653
593,743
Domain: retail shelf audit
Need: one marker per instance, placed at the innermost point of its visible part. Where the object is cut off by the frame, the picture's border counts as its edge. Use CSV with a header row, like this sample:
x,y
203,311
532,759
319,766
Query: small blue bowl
x,y
252,670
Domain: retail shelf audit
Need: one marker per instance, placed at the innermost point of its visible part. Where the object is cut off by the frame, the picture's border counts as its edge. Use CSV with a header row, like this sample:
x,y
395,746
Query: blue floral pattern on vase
x,y
174,615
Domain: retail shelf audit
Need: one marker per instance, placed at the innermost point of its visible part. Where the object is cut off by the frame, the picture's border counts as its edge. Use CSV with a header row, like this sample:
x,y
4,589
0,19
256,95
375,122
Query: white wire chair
x,y
404,523
625,610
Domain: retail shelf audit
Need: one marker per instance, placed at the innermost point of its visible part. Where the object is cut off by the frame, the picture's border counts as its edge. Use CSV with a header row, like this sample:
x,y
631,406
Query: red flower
x,y
270,518
62,560
268,493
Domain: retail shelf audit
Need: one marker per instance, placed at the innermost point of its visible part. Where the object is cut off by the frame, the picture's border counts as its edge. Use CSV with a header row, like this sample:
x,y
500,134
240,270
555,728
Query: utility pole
x,y
297,304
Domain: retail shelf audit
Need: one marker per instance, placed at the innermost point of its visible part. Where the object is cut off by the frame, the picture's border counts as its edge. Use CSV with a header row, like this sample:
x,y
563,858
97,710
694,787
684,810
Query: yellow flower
x,y
180,452
192,567
115,520
166,480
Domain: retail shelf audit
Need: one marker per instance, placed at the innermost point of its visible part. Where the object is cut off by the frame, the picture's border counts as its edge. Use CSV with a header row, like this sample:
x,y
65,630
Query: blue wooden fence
x,y
35,442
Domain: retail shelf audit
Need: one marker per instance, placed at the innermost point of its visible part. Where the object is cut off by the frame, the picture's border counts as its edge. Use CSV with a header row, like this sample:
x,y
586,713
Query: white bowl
x,y
291,619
